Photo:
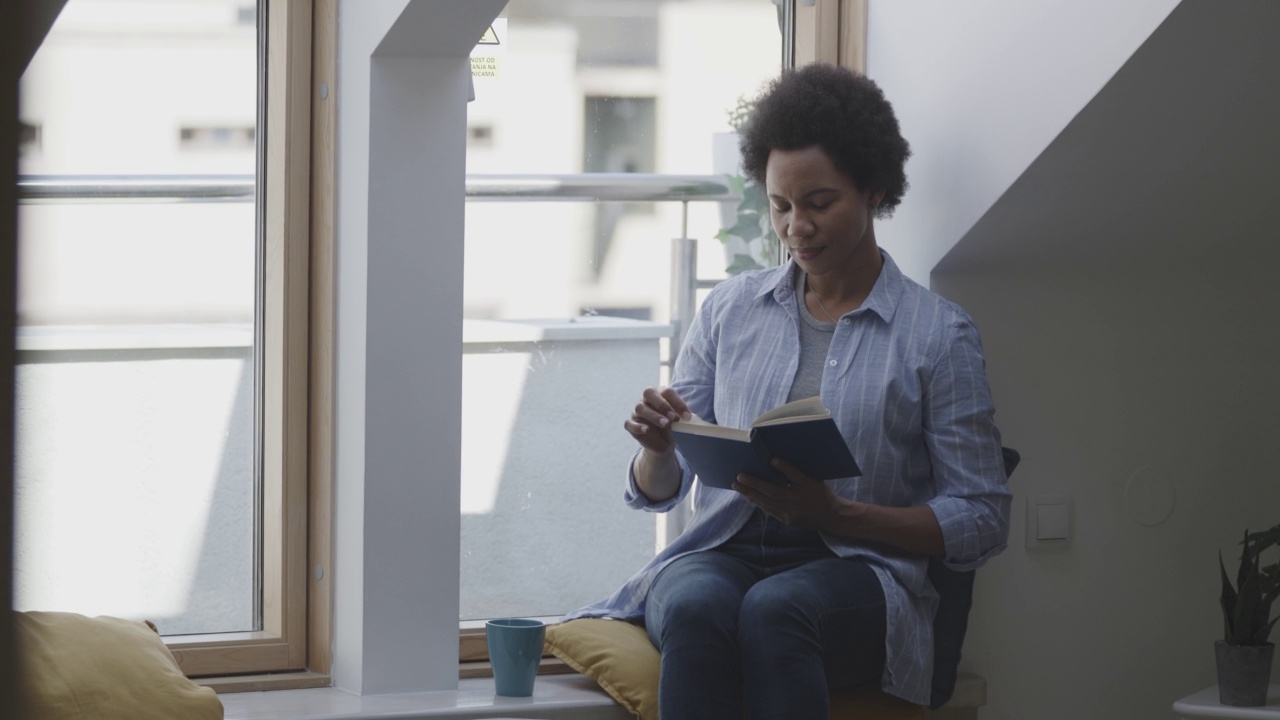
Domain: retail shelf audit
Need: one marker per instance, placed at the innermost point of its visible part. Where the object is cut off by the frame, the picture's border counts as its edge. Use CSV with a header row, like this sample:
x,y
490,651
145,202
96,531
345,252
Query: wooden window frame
x,y
293,648
832,31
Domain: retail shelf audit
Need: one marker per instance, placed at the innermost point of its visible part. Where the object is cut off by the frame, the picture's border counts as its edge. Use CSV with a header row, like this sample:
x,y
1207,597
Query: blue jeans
x,y
754,630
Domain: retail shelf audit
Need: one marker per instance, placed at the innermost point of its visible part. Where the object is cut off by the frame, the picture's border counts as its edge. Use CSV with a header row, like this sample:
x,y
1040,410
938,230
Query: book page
x,y
698,426
806,409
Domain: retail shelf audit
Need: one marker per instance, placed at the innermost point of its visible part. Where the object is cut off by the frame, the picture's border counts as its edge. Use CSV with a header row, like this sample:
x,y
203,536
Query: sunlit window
x,y
137,470
568,303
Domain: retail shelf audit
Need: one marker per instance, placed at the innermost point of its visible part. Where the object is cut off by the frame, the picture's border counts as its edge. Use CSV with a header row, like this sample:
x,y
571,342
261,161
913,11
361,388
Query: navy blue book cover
x,y
814,445
718,460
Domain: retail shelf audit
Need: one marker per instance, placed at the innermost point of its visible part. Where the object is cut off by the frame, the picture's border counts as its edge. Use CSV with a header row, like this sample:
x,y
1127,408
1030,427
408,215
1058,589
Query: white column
x,y
403,88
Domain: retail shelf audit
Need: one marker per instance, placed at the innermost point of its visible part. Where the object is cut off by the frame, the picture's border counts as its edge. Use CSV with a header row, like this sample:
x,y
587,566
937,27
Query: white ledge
x,y
589,327
134,337
563,697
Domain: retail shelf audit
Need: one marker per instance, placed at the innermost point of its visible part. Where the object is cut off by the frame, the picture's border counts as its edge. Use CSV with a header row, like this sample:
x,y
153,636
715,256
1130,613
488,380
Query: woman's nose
x,y
799,226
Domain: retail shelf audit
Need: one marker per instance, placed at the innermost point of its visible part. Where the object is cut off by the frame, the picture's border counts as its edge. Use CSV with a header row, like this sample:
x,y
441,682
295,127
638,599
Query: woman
x,y
775,595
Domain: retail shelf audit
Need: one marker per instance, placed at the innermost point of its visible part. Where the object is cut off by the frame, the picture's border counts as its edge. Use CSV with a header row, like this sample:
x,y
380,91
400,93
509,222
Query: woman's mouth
x,y
806,253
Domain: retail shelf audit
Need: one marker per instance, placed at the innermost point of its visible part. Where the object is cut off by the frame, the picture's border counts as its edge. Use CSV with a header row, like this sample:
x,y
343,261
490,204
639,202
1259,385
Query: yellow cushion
x,y
103,668
619,656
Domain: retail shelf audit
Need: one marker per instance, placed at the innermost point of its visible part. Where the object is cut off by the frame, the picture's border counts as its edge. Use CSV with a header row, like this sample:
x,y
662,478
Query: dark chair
x,y
955,593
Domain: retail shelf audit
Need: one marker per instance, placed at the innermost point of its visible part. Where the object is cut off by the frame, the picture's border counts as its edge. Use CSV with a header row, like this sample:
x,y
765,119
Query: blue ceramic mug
x,y
515,648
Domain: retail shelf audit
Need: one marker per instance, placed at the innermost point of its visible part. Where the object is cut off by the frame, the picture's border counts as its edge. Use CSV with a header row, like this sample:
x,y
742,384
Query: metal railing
x,y
582,187
149,188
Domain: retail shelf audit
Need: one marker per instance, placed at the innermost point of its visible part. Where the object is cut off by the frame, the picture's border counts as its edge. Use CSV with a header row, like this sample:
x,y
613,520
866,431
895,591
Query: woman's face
x,y
818,212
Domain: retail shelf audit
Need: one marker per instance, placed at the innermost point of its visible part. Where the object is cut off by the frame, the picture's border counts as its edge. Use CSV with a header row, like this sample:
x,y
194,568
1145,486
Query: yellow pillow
x,y
619,656
103,668
614,653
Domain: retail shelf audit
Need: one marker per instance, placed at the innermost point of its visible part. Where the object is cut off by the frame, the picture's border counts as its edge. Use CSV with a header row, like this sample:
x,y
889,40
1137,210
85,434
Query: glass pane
x,y
135,383
567,303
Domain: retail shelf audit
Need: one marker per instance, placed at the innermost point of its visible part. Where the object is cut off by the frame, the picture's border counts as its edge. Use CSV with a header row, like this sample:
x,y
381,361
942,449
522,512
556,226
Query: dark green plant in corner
x,y
1246,607
752,224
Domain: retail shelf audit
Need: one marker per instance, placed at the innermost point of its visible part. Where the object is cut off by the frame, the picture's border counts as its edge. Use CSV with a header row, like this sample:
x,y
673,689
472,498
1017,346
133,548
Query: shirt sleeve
x,y
694,378
972,495
636,499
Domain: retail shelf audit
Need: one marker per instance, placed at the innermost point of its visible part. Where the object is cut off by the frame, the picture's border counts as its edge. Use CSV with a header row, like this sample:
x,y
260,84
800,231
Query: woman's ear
x,y
876,198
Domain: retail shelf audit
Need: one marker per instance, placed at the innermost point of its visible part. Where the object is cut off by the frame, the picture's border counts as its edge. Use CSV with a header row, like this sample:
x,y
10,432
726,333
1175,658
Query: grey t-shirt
x,y
815,343
762,532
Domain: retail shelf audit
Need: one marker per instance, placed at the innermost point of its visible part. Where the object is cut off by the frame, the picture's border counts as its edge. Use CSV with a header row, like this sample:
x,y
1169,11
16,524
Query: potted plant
x,y
1244,655
747,232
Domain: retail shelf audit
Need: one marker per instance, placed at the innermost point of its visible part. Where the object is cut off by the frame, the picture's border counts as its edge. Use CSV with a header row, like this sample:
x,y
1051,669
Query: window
x,y
567,303
219,137
656,81
171,461
28,137
480,135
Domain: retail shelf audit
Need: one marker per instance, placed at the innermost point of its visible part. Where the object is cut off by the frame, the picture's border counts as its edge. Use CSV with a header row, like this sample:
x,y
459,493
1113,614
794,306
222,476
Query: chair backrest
x,y
955,597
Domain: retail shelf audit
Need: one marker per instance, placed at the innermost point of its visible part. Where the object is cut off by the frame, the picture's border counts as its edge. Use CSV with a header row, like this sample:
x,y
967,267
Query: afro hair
x,y
840,111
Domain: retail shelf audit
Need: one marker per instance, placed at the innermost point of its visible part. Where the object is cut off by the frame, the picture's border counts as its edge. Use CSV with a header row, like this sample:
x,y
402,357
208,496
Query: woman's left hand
x,y
804,503
809,504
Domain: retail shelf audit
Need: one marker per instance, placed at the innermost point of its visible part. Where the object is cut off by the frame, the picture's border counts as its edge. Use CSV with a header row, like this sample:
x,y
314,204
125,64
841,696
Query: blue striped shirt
x,y
905,381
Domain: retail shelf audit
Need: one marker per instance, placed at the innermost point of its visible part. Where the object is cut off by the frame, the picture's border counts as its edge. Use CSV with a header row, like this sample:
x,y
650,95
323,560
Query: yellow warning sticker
x,y
486,58
485,66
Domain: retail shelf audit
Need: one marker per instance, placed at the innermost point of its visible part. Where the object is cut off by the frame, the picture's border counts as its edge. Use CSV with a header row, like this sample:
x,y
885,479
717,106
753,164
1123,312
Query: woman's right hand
x,y
650,421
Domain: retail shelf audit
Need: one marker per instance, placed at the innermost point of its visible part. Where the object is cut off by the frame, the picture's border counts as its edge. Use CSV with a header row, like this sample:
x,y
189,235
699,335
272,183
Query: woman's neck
x,y
844,290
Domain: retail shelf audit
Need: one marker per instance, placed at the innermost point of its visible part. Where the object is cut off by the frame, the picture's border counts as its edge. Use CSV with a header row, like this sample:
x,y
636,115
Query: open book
x,y
801,432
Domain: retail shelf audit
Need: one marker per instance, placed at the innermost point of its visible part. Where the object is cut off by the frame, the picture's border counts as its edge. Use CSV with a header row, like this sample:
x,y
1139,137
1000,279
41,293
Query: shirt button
x,y
847,321
832,363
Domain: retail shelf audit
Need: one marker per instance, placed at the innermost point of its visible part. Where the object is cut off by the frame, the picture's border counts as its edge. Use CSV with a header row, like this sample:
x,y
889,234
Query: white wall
x,y
1124,286
980,88
1098,380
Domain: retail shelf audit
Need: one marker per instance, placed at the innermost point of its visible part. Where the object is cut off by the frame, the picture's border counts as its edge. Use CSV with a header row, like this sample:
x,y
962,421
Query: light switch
x,y
1048,521
1052,522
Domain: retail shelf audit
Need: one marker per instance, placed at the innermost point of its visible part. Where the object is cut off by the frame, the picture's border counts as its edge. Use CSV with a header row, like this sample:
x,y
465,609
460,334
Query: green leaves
x,y
742,263
751,226
741,113
1247,606
1228,602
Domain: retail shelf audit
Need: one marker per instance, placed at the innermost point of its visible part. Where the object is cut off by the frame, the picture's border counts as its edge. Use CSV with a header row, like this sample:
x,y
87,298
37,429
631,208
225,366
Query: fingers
x,y
789,471
803,502
658,408
774,499
676,404
635,427
759,489
665,403
651,418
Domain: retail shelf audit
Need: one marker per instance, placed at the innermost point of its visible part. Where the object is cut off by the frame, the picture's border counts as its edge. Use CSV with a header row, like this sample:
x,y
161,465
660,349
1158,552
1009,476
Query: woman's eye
x,y
778,209
822,206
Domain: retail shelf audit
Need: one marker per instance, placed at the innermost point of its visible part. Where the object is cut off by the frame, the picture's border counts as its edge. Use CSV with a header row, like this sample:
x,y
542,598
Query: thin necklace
x,y
817,299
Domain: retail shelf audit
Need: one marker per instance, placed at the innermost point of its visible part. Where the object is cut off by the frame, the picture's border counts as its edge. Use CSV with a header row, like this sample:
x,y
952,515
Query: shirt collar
x,y
882,301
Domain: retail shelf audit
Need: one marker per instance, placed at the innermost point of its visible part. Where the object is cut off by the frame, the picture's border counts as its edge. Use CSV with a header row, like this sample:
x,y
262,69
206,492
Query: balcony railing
x,y
583,187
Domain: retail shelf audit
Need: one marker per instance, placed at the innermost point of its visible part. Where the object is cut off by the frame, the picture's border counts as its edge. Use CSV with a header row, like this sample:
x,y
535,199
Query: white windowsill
x,y
558,697
563,697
